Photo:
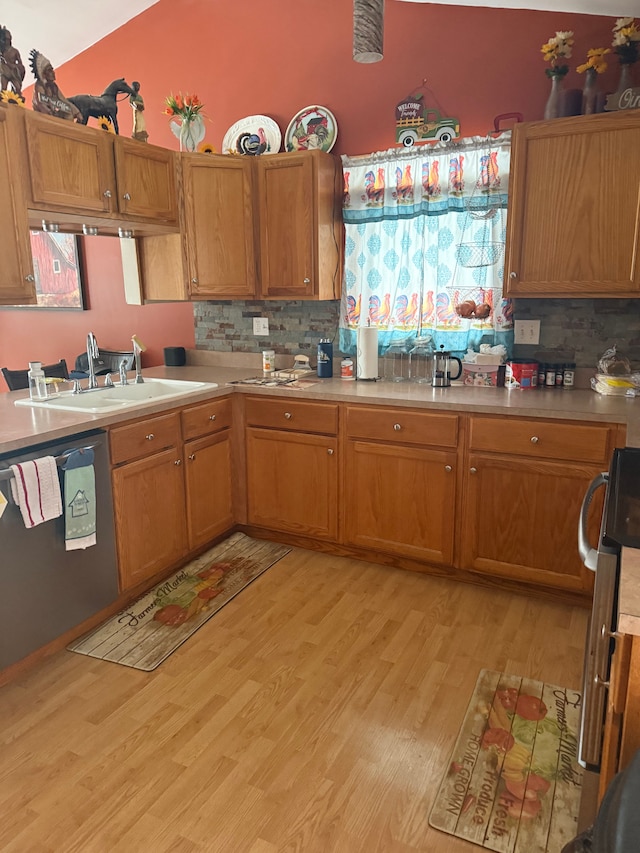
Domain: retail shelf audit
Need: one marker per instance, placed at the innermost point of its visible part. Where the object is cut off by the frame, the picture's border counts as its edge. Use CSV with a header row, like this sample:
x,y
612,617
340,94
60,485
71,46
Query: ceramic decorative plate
x,y
252,135
312,127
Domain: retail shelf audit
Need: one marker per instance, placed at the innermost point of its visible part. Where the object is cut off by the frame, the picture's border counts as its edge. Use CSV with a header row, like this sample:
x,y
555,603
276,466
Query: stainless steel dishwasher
x,y
44,589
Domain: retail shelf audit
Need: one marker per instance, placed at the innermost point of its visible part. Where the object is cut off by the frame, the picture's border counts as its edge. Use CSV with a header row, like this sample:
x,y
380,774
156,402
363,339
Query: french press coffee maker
x,y
442,368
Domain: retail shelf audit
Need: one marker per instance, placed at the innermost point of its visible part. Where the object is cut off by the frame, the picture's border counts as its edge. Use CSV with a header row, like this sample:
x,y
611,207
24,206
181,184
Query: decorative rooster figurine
x,y
252,143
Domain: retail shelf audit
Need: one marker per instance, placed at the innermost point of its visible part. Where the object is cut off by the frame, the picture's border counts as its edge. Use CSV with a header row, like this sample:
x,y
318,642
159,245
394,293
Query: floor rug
x,y
150,629
513,783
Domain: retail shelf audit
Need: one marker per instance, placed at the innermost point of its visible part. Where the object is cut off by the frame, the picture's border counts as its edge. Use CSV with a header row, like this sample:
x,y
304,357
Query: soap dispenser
x,y
37,382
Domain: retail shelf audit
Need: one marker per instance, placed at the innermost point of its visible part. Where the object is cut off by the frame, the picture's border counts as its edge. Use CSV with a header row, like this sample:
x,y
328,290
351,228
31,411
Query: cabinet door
x,y
287,225
149,505
574,207
17,282
146,180
71,167
208,481
401,500
218,209
520,520
293,482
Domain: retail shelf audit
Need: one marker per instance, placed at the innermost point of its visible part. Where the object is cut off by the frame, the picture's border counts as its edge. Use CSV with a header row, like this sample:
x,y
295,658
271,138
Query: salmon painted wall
x,y
274,57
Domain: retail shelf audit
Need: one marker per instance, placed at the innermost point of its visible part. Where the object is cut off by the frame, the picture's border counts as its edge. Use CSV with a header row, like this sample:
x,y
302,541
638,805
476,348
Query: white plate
x,y
252,135
312,127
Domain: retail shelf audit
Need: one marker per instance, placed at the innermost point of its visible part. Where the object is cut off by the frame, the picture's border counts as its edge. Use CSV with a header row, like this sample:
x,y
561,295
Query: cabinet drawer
x,y
292,414
545,439
206,418
144,437
403,426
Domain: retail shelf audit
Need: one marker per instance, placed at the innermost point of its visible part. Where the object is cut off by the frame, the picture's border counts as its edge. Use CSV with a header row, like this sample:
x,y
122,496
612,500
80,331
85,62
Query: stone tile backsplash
x,y
584,327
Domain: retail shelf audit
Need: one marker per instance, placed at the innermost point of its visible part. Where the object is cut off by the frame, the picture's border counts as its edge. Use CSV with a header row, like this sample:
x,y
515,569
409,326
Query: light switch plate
x,y
260,325
526,332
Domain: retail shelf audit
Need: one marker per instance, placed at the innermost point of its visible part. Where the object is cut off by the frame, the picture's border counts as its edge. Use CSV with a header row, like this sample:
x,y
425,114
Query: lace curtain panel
x,y
425,232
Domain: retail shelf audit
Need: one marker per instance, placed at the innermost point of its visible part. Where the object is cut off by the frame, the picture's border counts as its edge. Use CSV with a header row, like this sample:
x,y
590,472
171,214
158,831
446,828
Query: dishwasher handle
x,y
588,554
6,473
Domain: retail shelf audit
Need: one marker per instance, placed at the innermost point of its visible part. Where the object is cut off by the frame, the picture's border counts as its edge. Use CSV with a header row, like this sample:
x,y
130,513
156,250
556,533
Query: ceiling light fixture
x,y
368,30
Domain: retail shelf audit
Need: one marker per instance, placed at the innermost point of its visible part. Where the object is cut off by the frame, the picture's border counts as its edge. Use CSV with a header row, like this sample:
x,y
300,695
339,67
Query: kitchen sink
x,y
120,397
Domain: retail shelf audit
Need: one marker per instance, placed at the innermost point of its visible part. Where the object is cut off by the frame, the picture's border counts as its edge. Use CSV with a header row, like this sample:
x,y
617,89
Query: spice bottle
x,y
268,360
569,376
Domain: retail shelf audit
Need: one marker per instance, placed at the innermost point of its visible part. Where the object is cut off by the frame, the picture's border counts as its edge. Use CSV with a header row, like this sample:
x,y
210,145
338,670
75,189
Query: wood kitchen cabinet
x,y
111,177
148,497
573,227
206,431
400,481
17,281
300,225
523,488
292,466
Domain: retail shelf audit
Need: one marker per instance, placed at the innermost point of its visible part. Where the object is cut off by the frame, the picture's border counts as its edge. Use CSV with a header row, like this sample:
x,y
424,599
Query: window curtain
x,y
425,232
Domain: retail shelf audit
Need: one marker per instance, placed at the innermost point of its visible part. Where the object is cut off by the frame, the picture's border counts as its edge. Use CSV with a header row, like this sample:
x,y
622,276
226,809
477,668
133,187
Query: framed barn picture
x,y
58,272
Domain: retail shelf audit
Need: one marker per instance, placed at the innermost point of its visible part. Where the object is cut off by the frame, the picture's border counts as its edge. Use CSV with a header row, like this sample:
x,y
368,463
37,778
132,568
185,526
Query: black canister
x,y
175,356
325,359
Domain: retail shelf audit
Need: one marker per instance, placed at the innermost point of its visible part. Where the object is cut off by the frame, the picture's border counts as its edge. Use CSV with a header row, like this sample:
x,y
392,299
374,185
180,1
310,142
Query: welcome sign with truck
x,y
417,123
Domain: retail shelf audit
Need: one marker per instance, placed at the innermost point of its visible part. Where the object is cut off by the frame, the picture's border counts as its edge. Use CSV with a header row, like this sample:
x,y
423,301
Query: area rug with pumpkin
x,y
514,783
150,629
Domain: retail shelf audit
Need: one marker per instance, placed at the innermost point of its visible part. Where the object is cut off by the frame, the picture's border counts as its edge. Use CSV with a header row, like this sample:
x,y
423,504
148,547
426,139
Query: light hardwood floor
x,y
315,712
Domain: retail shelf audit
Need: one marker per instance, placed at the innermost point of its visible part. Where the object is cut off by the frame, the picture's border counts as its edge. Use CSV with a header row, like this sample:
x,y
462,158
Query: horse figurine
x,y
104,104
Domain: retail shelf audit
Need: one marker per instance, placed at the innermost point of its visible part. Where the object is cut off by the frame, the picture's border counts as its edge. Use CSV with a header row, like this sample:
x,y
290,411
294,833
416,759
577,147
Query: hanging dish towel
x,y
36,490
79,500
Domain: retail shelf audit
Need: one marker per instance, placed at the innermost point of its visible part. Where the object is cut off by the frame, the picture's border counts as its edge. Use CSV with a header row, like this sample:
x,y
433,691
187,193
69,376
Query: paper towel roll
x,y
367,353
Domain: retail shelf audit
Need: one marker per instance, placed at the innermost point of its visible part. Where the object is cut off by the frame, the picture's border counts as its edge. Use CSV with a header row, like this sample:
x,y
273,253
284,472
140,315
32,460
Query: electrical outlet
x,y
260,325
526,332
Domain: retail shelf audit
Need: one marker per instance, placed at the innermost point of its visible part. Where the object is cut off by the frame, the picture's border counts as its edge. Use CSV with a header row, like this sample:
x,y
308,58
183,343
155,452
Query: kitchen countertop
x,y
21,426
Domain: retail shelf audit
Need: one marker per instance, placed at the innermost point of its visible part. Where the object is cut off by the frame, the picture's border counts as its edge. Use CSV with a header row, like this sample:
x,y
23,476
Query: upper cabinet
x,y
574,208
80,172
17,282
267,227
300,225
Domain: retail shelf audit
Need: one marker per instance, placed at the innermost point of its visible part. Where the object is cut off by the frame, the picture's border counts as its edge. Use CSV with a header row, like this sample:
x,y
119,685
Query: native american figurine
x,y
47,97
137,105
11,67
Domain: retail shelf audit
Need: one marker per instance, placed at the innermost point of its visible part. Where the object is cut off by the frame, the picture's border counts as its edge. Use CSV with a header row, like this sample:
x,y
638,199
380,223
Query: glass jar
x,y
421,360
396,361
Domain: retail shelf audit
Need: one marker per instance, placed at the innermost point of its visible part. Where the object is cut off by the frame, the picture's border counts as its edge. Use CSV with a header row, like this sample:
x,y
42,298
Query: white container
x,y
346,369
37,383
268,360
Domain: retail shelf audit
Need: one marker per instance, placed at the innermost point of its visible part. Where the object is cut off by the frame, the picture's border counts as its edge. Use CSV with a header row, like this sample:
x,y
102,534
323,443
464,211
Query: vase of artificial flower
x,y
594,66
554,51
191,133
186,122
626,43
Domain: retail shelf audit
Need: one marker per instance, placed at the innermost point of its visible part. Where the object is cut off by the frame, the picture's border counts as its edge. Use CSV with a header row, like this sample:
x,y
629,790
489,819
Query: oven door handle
x,y
588,554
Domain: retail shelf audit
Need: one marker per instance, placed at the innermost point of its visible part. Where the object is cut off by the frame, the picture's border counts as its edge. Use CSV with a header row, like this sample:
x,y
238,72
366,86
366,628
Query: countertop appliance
x,y
45,590
620,526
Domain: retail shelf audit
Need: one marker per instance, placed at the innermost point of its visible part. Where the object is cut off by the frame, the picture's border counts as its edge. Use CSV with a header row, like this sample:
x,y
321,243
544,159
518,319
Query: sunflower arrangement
x,y
185,107
206,148
626,40
555,50
104,123
7,96
595,60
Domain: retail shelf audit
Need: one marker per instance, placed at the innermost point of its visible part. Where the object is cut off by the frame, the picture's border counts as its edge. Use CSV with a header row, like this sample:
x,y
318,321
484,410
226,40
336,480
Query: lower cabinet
x,y
522,492
292,466
400,482
148,497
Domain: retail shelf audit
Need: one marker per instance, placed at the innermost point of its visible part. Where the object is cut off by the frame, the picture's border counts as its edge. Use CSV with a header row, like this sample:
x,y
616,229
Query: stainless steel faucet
x,y
136,351
92,352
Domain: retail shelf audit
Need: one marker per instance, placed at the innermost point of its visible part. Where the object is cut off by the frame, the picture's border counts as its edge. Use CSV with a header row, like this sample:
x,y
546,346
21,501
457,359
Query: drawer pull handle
x,y
534,439
107,193
473,470
397,427
599,682
192,456
330,451
212,417
448,468
150,437
288,415
178,462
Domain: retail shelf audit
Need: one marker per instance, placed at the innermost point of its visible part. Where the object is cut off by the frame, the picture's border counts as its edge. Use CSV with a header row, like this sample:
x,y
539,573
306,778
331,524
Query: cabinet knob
x,y
534,439
212,417
473,470
599,682
288,415
330,451
397,427
126,197
448,468
306,280
513,275
107,193
192,456
178,462
29,277
150,437
194,281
